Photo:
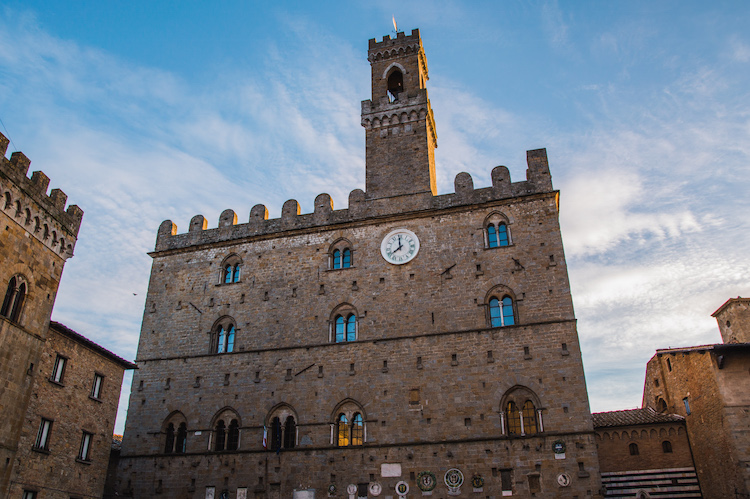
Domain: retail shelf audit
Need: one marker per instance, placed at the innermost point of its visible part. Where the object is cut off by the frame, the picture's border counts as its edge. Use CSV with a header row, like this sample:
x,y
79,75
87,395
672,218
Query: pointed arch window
x,y
282,423
181,440
514,419
226,339
342,431
276,433
15,295
496,231
233,435
220,436
529,418
346,328
336,259
230,270
395,85
341,255
358,430
169,441
521,414
501,312
290,432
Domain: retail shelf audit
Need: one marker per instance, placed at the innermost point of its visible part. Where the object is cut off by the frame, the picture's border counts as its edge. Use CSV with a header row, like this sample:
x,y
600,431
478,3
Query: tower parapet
x,y
26,201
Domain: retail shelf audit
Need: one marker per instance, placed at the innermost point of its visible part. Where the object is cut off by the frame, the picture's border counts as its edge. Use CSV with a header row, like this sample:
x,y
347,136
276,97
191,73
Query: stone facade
x,y
81,404
642,451
296,333
39,235
710,387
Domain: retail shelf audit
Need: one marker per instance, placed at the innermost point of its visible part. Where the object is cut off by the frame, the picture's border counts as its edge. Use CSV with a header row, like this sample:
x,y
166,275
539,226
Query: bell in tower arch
x,y
395,85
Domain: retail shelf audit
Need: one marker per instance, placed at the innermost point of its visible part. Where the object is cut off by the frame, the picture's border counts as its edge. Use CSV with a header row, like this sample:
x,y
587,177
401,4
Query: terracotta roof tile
x,y
633,417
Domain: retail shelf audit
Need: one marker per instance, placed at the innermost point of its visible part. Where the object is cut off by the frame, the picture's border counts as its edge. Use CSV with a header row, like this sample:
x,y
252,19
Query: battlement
x,y
26,200
401,40
538,181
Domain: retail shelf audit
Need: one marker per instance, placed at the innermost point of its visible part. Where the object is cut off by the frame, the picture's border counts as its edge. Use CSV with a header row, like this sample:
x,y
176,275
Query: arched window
x,y
521,414
514,419
358,430
336,259
230,270
501,312
275,433
666,447
169,441
15,295
290,433
233,435
529,418
220,433
496,230
340,254
223,336
395,85
181,441
342,431
346,328
661,405
633,449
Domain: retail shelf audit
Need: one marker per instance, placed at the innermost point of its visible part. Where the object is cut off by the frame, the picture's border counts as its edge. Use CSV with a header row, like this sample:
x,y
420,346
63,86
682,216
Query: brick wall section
x,y
719,404
613,446
38,235
58,473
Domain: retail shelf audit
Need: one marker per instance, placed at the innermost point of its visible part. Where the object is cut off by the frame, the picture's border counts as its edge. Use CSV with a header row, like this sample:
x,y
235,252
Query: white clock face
x,y
399,246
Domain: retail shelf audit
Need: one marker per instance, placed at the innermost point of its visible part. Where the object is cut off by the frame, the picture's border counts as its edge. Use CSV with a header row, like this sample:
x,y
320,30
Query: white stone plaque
x,y
390,469
210,492
242,493
304,494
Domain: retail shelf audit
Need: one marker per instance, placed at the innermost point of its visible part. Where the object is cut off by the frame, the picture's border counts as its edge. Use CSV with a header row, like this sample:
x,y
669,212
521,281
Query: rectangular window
x,y
687,406
29,494
96,388
42,437
59,371
506,481
83,454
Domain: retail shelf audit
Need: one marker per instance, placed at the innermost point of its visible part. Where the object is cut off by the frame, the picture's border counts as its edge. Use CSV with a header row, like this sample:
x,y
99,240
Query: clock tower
x,y
400,128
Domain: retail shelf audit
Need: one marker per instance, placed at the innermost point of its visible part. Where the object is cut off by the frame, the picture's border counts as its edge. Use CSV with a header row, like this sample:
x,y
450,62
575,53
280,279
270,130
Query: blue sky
x,y
145,111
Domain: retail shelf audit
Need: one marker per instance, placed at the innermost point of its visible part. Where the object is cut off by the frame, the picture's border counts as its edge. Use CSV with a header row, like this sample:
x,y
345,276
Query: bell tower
x,y
400,128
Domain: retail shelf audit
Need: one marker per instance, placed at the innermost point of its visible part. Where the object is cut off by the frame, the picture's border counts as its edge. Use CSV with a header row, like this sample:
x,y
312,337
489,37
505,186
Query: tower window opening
x,y
395,85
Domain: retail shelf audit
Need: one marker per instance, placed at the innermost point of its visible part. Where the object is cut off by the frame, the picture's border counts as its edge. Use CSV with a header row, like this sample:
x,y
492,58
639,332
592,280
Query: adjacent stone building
x,y
709,385
643,453
411,343
59,391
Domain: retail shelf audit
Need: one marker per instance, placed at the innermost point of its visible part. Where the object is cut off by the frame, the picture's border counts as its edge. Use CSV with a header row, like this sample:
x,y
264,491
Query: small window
x,y
687,406
506,481
337,259
58,372
669,365
346,328
529,418
230,270
497,235
276,440
224,342
29,494
15,296
342,431
96,388
358,434
233,436
347,258
340,255
501,312
220,436
666,447
43,435
181,440
169,442
633,449
290,433
83,453
514,419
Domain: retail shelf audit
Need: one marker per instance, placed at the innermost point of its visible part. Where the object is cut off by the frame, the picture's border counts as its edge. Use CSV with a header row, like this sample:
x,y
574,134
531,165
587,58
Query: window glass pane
x,y
85,443
337,259
181,438
358,430
508,319
529,418
275,434
42,438
502,235
236,273
343,431
230,339
169,442
290,433
491,236
514,419
222,339
347,258
495,318
57,374
339,329
220,436
8,297
233,438
227,274
96,389
351,328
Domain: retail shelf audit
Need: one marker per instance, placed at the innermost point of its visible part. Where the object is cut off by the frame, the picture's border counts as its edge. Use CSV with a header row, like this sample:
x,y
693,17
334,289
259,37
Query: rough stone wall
x,y
734,320
613,447
718,442
38,236
57,473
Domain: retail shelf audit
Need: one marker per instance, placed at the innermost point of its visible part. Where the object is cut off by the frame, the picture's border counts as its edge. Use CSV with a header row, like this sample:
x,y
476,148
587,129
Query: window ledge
x,y
40,450
499,247
55,382
227,283
342,268
95,399
79,460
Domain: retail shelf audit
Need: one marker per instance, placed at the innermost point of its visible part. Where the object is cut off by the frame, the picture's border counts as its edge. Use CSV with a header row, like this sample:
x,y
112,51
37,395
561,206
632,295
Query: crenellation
x,y
198,223
227,218
20,162
58,198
